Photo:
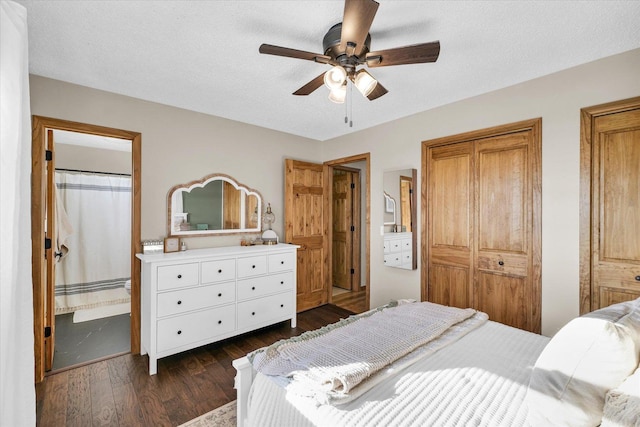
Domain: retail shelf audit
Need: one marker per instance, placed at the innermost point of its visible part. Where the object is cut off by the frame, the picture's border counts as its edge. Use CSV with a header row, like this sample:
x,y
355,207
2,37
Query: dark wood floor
x,y
120,392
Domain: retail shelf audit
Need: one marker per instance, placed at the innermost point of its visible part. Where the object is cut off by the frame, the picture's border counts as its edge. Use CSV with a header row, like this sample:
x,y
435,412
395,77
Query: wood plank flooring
x,y
120,392
352,301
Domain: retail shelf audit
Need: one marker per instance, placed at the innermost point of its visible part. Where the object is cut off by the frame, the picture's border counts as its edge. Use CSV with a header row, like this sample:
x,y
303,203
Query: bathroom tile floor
x,y
77,343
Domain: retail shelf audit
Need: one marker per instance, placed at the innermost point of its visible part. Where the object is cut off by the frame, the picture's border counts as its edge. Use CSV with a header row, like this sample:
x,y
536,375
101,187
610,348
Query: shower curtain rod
x,y
102,173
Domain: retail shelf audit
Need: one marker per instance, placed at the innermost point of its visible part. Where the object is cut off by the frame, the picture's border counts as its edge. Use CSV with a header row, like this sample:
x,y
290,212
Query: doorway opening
x,y
73,197
92,283
349,232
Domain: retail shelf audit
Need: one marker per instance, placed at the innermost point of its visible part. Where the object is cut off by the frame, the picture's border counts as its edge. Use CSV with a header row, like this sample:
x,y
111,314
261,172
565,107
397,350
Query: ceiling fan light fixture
x,y
335,77
365,82
338,94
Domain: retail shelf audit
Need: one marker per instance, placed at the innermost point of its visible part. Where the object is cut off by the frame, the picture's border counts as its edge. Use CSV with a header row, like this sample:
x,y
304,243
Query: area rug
x,y
100,312
224,416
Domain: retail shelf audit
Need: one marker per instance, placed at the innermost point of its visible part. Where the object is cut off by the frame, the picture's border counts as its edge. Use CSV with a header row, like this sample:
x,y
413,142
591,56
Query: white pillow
x,y
587,357
622,404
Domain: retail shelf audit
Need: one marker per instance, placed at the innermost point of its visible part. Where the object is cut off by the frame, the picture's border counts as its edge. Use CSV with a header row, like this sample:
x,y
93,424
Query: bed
x,y
472,371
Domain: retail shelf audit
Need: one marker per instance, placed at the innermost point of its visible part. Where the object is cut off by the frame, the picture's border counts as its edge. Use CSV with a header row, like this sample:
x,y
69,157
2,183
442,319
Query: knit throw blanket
x,y
338,357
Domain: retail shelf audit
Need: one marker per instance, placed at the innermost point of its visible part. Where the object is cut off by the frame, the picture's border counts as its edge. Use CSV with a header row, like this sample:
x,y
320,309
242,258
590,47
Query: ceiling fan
x,y
346,47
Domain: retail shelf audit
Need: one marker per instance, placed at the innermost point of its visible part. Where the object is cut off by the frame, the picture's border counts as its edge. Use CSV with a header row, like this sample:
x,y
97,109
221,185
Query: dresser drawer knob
x,y
220,294
501,262
179,276
253,313
282,282
281,305
638,278
179,302
219,322
282,262
179,332
253,288
220,270
253,266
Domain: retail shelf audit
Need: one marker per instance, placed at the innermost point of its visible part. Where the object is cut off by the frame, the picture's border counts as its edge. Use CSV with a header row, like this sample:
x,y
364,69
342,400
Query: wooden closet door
x,y
615,184
503,219
450,223
482,222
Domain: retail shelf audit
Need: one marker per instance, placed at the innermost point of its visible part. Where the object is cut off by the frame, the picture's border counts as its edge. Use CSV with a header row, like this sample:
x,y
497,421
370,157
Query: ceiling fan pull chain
x,y
351,105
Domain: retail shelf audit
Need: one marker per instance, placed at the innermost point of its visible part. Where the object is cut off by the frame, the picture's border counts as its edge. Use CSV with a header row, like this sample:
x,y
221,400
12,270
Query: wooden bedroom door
x,y
611,141
345,210
305,225
482,202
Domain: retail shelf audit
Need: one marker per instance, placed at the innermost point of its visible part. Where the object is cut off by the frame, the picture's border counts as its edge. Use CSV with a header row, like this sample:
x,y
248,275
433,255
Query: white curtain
x,y
17,391
97,260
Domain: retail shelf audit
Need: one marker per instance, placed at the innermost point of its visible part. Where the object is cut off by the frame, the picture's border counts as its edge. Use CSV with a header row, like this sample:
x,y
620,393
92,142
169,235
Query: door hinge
x,y
353,228
353,271
411,191
47,243
353,186
48,155
47,331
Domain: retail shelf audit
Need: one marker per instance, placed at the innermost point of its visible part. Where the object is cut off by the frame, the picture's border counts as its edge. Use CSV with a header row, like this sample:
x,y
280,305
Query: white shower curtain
x,y
98,263
17,391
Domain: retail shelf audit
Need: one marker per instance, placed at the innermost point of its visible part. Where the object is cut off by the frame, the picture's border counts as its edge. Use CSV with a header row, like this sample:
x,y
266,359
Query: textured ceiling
x,y
203,55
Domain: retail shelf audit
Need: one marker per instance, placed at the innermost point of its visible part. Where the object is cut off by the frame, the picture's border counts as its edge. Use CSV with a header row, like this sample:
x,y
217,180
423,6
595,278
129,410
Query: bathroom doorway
x,y
93,235
49,252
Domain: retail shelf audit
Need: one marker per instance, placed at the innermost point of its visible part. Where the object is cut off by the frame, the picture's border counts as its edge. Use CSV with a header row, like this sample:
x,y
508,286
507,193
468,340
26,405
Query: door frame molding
x,y
40,125
328,184
587,119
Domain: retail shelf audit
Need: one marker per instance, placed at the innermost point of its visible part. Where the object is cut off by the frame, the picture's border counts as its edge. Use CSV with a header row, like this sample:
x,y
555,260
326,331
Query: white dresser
x,y
200,296
398,250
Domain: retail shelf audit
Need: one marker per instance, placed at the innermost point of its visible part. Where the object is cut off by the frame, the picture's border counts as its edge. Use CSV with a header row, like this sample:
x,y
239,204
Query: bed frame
x,y
243,380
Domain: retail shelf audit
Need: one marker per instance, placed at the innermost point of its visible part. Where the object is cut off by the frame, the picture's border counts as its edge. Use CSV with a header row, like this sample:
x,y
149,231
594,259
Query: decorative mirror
x,y
400,249
389,209
216,204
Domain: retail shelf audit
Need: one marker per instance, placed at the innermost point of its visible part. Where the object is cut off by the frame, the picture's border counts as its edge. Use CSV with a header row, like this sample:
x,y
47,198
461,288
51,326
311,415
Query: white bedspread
x,y
481,379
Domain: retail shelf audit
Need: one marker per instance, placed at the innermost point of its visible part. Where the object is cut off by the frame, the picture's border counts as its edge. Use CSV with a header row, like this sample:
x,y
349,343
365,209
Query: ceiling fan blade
x,y
311,86
270,49
356,21
377,92
414,54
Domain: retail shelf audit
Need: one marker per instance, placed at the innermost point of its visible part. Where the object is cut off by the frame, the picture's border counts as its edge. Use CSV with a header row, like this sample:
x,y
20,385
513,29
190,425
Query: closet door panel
x,y
502,188
449,286
503,298
450,215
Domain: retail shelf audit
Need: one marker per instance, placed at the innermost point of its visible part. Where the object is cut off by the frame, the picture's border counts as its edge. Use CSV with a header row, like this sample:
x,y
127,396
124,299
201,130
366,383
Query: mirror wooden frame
x,y
171,231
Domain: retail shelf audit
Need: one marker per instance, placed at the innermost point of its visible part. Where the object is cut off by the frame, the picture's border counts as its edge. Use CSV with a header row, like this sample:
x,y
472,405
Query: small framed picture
x,y
171,244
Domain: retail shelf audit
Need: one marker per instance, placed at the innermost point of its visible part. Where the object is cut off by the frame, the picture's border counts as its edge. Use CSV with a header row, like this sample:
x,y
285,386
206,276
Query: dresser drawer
x,y
252,266
177,276
261,310
264,285
281,262
392,259
218,271
395,245
406,257
193,327
406,244
184,300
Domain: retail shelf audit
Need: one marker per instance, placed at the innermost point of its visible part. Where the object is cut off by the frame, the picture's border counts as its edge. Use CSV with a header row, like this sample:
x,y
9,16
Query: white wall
x,y
556,98
179,146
